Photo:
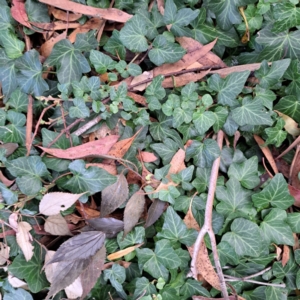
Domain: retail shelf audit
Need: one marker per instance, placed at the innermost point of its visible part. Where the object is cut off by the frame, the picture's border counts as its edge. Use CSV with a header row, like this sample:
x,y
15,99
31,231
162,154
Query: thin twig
x,y
290,147
251,276
29,123
207,227
281,285
87,126
293,165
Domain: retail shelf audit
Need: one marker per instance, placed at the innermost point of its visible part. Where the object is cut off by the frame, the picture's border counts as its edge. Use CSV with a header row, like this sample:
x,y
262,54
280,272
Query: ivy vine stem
x,y
207,226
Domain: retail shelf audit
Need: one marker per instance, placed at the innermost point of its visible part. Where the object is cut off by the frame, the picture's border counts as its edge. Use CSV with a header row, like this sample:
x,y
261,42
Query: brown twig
x,y
293,164
207,226
290,147
29,123
87,126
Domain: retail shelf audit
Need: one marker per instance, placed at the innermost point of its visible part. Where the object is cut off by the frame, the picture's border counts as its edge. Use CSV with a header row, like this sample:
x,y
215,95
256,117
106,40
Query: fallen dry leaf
x,y
290,125
137,98
96,148
52,203
296,194
122,263
47,47
266,151
58,25
285,255
155,210
133,211
123,252
203,264
6,181
24,239
4,253
13,221
16,282
62,15
86,212
111,14
110,168
147,157
75,289
10,148
278,251
57,225
18,12
114,195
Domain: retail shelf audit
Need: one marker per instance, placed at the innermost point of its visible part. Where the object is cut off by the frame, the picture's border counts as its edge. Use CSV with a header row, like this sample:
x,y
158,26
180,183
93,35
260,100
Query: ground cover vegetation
x,y
149,149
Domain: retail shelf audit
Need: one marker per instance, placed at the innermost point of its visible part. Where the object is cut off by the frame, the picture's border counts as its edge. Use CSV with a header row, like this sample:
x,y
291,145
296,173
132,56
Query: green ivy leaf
x,y
19,293
204,153
132,35
31,270
175,230
287,15
293,219
8,74
275,193
134,69
13,47
265,96
203,120
91,180
193,288
158,262
6,20
29,171
275,134
275,229
135,236
244,237
221,114
227,12
79,110
115,46
62,143
164,51
101,61
275,293
165,150
206,32
18,100
251,113
229,87
143,284
289,105
37,12
293,74
269,76
69,61
246,172
30,78
10,197
227,254
86,41
234,199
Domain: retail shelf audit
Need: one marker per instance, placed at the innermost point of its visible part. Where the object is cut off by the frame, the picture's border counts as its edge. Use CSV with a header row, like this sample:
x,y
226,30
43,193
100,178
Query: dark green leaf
x,y
13,47
287,15
101,61
289,105
293,219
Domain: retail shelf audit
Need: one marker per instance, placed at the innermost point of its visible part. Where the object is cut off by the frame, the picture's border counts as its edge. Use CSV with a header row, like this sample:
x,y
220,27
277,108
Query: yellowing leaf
x,y
57,225
52,203
24,239
123,252
114,195
290,125
133,210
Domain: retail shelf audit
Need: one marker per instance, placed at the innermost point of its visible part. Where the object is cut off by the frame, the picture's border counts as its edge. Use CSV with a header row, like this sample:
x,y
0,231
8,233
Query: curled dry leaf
x,y
137,98
13,221
57,225
203,264
290,125
110,226
133,210
295,169
87,212
4,253
155,210
114,195
296,194
6,181
123,252
52,203
95,148
24,239
47,47
62,15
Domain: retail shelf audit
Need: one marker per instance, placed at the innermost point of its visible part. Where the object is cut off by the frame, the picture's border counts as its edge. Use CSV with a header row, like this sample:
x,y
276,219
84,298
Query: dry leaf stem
x,y
207,226
29,124
87,126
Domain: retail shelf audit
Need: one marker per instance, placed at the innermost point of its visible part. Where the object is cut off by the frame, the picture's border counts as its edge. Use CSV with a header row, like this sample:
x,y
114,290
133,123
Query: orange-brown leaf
x,y
285,255
47,47
86,212
110,168
147,157
99,147
62,15
19,13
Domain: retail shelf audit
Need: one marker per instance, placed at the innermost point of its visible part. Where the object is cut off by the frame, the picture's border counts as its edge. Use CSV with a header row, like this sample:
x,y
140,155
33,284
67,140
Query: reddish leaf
x,y
156,209
147,157
111,168
18,12
285,255
96,148
114,195
10,148
133,210
296,194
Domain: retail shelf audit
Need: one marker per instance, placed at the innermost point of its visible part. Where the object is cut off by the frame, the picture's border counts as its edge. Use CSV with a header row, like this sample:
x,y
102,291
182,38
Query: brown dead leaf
x,y
205,298
120,148
133,178
133,211
72,218
295,169
4,253
122,263
62,15
57,225
296,194
123,252
237,136
266,151
114,195
137,98
155,210
86,212
13,221
52,203
290,125
283,167
111,14
285,255
147,157
110,168
6,181
96,148
203,264
140,78
24,239
58,25
93,23
19,13
74,290
278,251
47,47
